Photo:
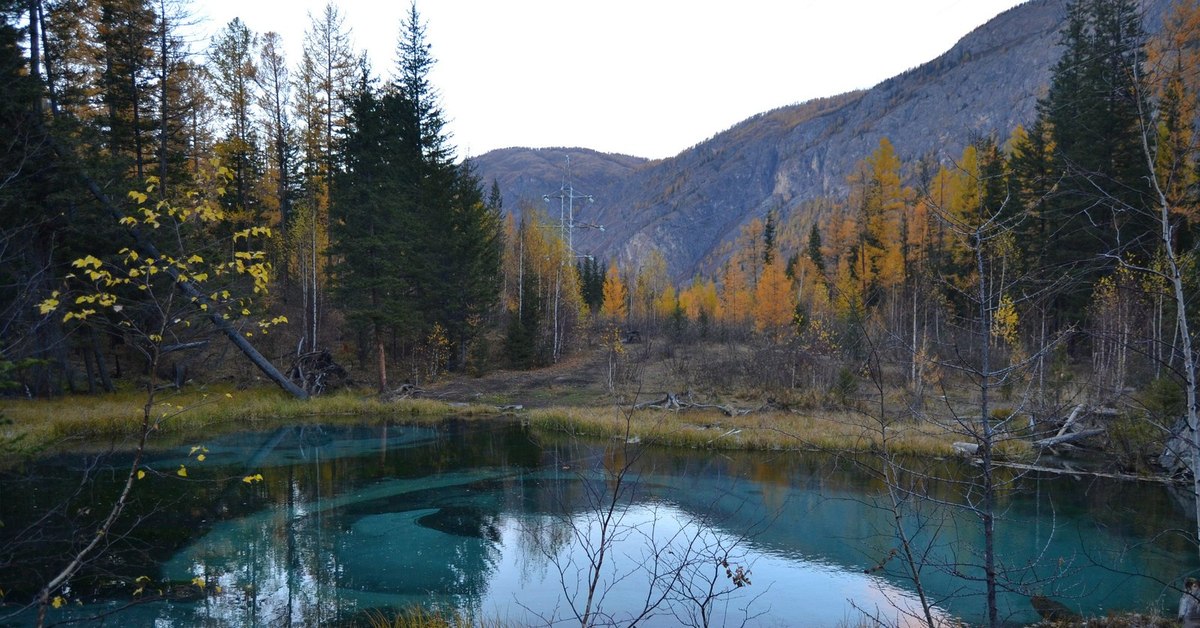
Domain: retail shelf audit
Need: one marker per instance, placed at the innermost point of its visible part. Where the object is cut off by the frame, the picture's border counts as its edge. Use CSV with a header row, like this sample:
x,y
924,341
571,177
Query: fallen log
x,y
684,402
966,449
1079,473
1071,418
669,402
405,391
1066,438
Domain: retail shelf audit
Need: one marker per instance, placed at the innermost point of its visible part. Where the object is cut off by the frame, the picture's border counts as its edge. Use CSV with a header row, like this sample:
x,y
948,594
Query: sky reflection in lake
x,y
489,520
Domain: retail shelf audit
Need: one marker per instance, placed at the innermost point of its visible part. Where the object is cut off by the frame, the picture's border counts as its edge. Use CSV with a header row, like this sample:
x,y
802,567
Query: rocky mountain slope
x,y
688,205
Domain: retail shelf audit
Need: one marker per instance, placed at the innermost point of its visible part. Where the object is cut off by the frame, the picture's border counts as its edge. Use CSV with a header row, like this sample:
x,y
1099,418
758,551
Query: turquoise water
x,y
488,520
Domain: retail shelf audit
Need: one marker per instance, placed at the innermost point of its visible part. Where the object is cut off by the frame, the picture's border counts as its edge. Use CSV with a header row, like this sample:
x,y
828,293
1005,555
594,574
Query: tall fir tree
x,y
1092,113
234,72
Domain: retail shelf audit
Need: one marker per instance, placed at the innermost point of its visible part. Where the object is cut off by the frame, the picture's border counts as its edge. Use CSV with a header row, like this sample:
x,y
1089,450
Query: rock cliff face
x,y
690,204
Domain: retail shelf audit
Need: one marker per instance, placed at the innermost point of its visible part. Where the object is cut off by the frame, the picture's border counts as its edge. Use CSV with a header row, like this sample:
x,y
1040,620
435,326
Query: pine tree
x,y
234,73
1092,113
124,55
274,100
414,63
814,248
372,225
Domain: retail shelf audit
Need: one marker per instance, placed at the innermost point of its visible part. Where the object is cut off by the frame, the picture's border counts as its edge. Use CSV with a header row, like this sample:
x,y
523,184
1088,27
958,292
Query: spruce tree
x,y
372,228
1092,113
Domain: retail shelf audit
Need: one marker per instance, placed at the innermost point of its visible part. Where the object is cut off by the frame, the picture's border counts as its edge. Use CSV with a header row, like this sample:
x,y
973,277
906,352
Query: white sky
x,y
641,77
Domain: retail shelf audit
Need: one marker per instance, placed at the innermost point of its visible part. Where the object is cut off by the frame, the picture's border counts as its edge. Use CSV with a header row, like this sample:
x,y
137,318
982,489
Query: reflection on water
x,y
487,520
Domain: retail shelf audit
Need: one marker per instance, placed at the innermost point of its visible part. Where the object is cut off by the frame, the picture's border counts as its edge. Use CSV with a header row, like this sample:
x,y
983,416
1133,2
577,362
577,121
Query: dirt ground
x,y
576,381
643,372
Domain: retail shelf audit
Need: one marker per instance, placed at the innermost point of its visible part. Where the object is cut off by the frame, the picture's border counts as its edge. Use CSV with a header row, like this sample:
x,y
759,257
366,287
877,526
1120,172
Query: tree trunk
x,y
101,366
382,357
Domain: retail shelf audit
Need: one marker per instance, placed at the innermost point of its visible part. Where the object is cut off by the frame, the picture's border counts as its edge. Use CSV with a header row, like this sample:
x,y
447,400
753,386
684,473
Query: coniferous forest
x,y
374,240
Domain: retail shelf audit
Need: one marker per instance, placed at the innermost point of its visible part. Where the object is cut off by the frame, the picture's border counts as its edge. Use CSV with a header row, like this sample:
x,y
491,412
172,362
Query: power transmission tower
x,y
567,196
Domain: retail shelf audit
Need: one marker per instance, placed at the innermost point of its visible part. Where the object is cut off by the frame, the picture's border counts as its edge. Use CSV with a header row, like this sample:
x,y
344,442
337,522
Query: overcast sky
x,y
641,77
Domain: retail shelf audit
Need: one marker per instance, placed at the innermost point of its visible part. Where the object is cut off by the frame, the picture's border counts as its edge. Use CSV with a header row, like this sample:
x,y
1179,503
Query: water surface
x,y
501,524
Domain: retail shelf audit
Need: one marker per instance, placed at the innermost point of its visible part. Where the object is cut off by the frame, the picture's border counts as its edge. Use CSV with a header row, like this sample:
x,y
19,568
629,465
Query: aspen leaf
x,y
141,474
182,472
58,601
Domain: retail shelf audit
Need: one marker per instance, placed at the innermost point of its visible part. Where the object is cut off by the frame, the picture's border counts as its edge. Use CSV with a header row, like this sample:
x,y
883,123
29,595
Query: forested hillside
x,y
692,206
975,189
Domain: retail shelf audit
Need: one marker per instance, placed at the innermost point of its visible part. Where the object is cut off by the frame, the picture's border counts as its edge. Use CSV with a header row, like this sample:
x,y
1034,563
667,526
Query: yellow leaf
x,y
200,458
228,396
198,581
58,601
47,306
182,472
141,474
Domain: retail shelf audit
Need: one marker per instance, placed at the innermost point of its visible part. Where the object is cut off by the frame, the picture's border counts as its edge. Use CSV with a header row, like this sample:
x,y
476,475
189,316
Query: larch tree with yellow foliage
x,y
774,300
699,300
616,296
737,297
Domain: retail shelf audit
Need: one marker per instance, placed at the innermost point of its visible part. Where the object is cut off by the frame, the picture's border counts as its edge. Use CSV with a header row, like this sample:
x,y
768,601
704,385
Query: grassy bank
x,y
33,426
30,427
828,430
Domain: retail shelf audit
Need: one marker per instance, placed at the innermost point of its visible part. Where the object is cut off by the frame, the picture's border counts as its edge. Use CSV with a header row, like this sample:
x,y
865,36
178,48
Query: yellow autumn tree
x,y
699,300
666,303
651,281
879,199
616,296
774,300
1173,57
737,300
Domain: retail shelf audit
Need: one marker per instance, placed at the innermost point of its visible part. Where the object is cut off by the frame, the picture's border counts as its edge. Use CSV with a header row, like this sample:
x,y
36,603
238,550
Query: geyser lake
x,y
496,522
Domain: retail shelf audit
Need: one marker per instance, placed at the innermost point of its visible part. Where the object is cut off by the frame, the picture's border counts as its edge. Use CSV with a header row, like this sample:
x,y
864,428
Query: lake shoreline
x,y
31,428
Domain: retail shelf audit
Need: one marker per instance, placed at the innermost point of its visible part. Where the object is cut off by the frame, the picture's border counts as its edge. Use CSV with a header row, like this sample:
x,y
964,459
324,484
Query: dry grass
x,y
417,617
828,431
28,427
33,426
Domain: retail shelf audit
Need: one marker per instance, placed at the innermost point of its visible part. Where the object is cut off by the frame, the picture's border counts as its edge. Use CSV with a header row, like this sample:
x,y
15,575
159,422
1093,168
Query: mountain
x,y
687,206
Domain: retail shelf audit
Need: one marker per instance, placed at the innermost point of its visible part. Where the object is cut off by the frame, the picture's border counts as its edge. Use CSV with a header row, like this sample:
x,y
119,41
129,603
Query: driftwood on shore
x,y
1082,423
405,391
674,402
316,372
1062,438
